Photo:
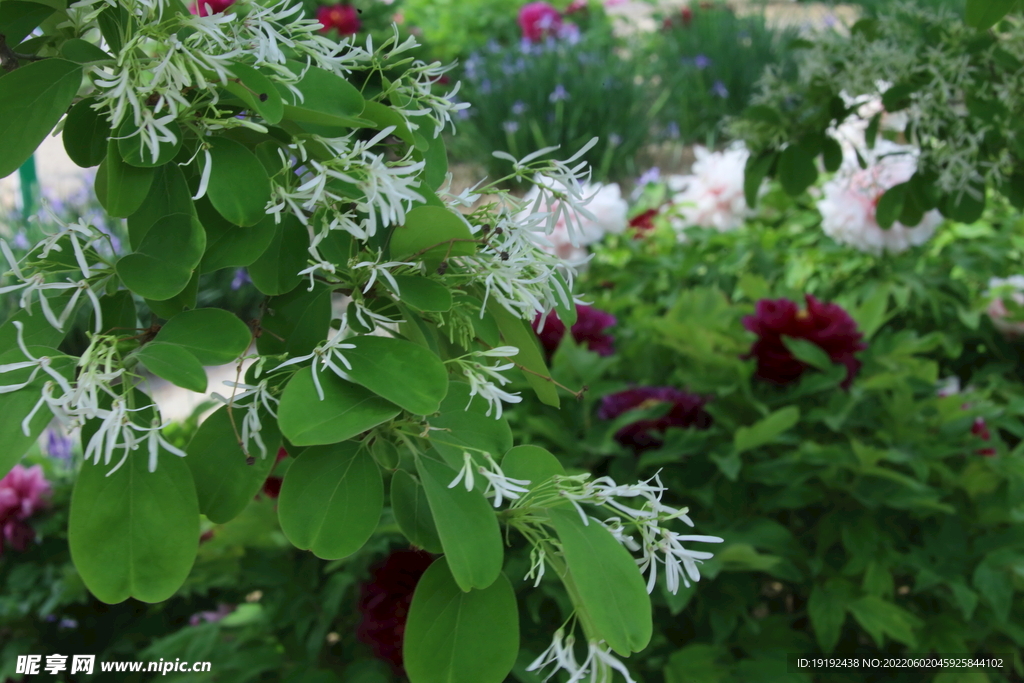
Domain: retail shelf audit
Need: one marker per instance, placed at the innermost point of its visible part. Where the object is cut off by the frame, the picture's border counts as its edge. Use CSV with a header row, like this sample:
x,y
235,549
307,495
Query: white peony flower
x,y
712,196
851,199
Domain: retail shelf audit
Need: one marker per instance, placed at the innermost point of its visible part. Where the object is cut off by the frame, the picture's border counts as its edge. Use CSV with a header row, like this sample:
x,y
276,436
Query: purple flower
x,y
702,61
485,86
720,90
672,130
66,623
519,108
589,329
240,280
559,93
687,410
211,617
20,241
651,175
510,127
570,33
614,139
58,446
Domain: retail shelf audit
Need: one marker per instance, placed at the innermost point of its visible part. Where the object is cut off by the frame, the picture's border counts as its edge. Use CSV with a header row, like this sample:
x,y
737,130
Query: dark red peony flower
x,y
384,603
980,429
539,20
215,6
576,6
687,15
589,328
687,411
643,222
826,325
342,17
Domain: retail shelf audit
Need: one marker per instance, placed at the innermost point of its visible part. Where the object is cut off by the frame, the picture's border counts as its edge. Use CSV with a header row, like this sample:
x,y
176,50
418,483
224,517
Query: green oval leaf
x,y
239,186
890,205
134,152
607,582
232,246
431,226
346,411
423,294
531,463
214,336
33,98
82,51
85,134
162,265
466,525
174,364
517,332
456,637
412,512
120,187
983,14
20,18
796,170
331,500
168,194
408,375
327,99
295,322
276,271
134,533
257,91
463,425
225,484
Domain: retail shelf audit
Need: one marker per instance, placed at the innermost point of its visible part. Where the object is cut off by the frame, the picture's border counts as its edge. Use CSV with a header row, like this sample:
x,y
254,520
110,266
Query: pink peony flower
x,y
826,325
687,411
1000,289
206,7
589,329
384,603
342,17
712,195
851,199
538,20
23,492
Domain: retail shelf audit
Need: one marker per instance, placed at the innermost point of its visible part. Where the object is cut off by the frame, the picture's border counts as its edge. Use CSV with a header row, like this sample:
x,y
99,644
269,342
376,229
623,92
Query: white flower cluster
x,y
604,204
168,57
251,423
712,195
388,188
656,542
499,486
73,403
486,381
848,209
598,664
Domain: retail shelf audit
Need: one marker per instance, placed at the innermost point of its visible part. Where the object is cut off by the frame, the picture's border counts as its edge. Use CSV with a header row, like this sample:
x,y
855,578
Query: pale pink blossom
x,y
712,195
848,209
1000,288
852,134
